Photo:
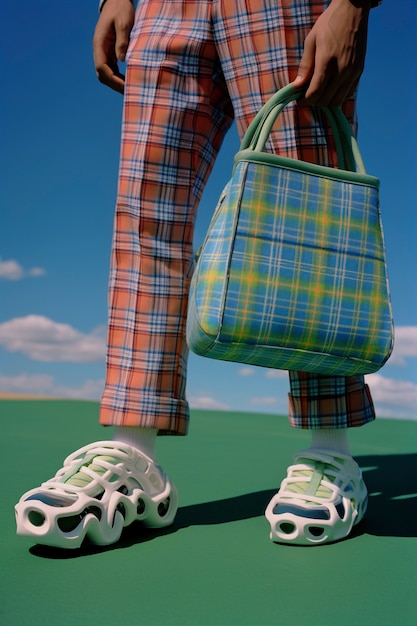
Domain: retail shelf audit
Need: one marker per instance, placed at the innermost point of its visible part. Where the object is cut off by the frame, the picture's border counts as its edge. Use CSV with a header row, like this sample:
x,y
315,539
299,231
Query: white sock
x,y
144,439
335,439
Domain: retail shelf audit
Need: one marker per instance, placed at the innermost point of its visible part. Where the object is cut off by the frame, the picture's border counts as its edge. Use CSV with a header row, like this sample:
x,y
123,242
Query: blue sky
x,y
59,155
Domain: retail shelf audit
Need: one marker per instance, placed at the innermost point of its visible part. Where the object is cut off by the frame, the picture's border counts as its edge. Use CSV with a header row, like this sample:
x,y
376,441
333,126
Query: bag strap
x,y
257,134
349,141
278,101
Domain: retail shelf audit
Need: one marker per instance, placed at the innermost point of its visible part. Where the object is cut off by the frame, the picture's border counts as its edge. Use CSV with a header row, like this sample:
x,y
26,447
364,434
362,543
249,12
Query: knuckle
x,y
101,75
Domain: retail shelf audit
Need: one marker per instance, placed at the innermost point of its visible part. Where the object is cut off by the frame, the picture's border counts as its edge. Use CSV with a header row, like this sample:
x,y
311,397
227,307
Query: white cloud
x,y
405,345
270,373
12,270
89,390
39,384
42,339
45,385
246,371
36,271
264,400
393,398
206,402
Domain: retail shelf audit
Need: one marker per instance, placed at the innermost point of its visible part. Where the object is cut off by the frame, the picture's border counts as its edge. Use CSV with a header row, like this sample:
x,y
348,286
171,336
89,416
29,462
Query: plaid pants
x,y
193,67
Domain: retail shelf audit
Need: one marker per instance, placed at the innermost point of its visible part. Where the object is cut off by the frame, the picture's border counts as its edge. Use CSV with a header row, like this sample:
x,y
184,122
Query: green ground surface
x,y
216,566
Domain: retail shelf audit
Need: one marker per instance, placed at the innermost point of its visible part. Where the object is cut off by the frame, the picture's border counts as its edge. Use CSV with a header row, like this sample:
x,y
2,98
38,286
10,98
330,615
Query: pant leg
x,y
260,44
329,401
176,112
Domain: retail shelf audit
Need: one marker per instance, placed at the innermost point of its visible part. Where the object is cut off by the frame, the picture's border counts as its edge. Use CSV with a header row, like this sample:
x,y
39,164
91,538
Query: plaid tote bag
x,y
292,272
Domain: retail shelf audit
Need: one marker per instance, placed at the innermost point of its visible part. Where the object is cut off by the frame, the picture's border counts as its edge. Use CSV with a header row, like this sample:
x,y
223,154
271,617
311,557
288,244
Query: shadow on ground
x,y
392,508
392,485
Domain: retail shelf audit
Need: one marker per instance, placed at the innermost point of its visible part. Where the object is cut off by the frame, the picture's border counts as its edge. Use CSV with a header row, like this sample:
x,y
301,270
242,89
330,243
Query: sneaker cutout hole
x,y
121,508
36,518
95,510
68,524
163,507
316,531
287,528
340,508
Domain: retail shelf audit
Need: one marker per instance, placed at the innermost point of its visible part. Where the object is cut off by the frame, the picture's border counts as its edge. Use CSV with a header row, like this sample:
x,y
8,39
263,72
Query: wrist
x,y
360,6
103,2
365,4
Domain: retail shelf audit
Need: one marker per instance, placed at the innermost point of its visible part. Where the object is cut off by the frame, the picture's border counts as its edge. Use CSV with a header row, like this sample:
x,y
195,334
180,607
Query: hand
x,y
110,41
334,53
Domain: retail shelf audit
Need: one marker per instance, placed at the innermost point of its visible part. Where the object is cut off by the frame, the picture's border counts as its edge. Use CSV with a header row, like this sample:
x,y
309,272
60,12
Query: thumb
x,y
306,67
123,25
122,43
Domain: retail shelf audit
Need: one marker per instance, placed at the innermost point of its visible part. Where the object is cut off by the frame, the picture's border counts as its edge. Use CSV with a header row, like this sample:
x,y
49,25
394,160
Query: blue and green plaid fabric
x,y
292,274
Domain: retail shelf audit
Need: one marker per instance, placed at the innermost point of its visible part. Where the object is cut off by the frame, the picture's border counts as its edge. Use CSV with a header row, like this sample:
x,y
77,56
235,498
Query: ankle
x,y
143,439
332,439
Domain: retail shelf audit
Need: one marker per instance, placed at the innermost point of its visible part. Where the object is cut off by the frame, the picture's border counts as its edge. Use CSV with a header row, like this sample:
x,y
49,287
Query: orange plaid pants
x,y
193,67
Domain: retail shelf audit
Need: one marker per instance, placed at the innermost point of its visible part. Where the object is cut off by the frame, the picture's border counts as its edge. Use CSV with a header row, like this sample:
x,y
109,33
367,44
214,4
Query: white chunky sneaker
x,y
101,489
320,500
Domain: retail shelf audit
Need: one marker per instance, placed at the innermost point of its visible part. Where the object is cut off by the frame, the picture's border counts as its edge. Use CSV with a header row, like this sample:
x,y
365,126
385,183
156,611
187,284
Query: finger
x,y
105,61
306,66
107,70
113,79
350,92
346,90
317,90
122,41
325,85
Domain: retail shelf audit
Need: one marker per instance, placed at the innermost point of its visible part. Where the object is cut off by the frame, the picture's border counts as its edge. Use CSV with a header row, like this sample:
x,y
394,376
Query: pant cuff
x,y
169,416
355,408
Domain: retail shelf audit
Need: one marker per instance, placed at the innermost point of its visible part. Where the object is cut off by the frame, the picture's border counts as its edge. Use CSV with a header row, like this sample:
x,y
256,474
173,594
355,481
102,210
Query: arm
x,y
334,53
110,41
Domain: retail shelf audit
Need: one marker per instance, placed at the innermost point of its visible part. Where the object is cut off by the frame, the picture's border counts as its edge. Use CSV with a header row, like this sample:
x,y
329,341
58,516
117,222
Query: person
x,y
194,66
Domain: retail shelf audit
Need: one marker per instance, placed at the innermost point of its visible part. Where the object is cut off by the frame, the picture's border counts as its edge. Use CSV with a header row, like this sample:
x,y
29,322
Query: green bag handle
x,y
349,142
256,136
